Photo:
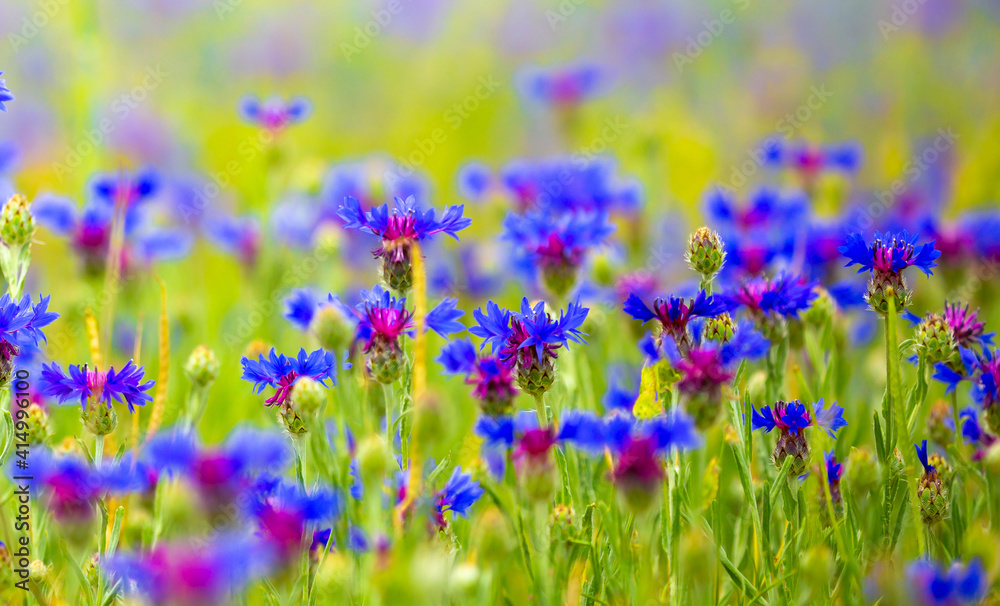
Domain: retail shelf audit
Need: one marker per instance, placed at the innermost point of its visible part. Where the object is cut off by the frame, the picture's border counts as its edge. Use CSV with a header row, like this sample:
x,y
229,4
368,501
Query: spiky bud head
x,y
291,420
720,328
386,363
933,496
17,226
398,274
38,430
792,445
98,418
705,253
534,377
935,339
885,286
202,367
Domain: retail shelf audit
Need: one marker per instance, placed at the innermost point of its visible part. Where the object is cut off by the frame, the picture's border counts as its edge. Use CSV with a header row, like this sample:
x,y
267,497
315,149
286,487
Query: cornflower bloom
x,y
769,302
284,514
5,94
638,448
810,160
382,319
791,419
554,244
97,387
222,473
885,259
969,331
707,368
122,189
398,229
459,494
528,340
674,314
89,232
197,574
20,327
931,584
493,380
986,386
283,373
563,86
274,114
973,432
238,236
834,470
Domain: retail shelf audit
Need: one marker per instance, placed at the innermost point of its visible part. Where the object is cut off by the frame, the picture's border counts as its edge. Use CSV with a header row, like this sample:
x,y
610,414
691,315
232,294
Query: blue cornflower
x,y
889,253
793,416
931,584
5,94
274,113
21,324
474,181
785,295
757,231
124,190
562,86
528,339
458,357
82,384
281,372
563,184
952,373
238,236
555,243
398,228
457,496
675,313
809,160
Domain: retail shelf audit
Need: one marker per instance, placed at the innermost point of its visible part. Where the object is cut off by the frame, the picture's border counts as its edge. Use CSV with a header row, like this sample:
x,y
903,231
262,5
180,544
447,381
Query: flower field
x,y
507,302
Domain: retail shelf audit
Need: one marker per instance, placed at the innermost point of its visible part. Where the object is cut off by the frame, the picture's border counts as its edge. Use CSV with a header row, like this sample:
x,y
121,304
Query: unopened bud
x,y
17,226
308,396
202,367
705,253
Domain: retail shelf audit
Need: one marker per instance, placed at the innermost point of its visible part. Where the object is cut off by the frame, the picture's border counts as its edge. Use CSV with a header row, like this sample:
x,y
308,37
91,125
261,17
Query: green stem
x,y
543,415
895,400
98,451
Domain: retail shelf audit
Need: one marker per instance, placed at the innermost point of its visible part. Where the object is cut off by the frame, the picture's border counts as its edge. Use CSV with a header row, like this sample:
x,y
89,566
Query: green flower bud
x,y
308,396
17,226
861,470
398,275
332,329
822,309
559,278
291,420
720,329
562,522
202,367
38,431
537,377
705,253
98,418
882,287
935,339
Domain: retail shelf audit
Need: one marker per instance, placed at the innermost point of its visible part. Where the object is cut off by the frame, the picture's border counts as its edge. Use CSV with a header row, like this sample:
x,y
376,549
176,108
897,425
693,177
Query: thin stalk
x,y
543,415
895,400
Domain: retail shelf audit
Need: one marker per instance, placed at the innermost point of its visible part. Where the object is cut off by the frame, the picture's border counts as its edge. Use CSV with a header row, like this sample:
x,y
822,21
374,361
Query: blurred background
x,y
400,96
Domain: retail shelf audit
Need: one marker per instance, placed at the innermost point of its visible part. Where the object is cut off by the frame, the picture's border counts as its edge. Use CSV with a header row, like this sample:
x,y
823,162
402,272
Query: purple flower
x,y
5,94
931,584
562,86
968,329
986,383
833,469
404,224
457,496
282,372
274,114
21,323
82,384
675,313
200,574
532,330
889,253
554,243
791,417
124,190
784,295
